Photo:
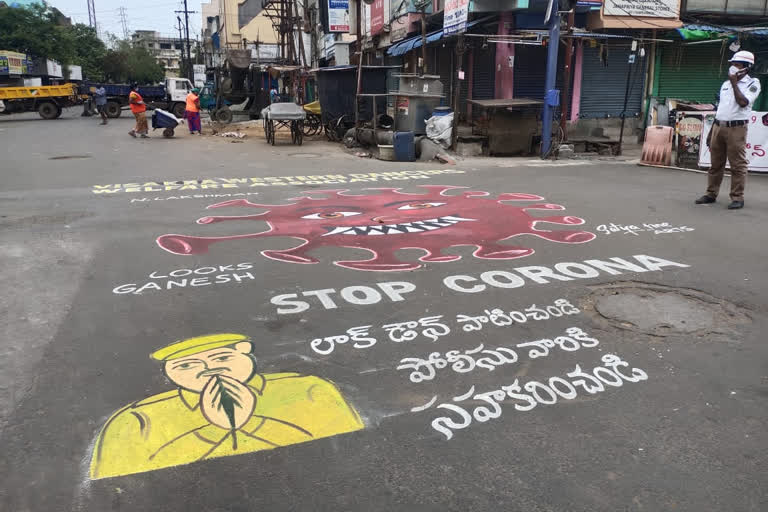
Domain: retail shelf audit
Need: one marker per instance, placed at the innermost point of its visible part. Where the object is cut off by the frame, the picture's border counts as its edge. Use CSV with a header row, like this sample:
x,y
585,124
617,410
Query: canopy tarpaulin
x,y
240,59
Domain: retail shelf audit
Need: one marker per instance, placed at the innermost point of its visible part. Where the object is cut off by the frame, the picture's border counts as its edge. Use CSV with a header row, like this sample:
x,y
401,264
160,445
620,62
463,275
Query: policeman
x,y
728,137
221,407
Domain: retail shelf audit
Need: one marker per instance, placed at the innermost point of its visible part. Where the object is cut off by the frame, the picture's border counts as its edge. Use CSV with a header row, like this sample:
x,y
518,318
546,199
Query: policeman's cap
x,y
196,345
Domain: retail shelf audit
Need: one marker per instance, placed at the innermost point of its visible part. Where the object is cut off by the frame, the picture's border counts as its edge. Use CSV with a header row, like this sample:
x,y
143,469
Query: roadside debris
x,y
233,135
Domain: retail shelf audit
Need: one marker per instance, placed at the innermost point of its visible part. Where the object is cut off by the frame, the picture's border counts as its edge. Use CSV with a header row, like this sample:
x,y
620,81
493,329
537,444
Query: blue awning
x,y
409,44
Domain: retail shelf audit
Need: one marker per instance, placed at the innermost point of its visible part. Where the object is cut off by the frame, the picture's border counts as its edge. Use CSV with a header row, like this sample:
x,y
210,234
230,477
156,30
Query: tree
x,y
36,31
33,30
126,63
89,50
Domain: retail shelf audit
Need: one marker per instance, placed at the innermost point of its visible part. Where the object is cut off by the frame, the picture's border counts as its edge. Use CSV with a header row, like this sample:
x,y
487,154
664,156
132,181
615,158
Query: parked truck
x,y
46,100
171,96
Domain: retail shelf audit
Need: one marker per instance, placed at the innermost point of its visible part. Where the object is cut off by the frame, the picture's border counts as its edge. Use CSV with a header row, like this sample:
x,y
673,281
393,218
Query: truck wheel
x,y
224,115
113,109
59,110
178,109
48,110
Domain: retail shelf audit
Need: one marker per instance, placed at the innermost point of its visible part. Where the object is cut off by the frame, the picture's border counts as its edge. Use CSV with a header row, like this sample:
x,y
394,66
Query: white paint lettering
x,y
323,295
369,295
297,306
615,265
395,289
654,263
451,282
125,288
584,271
508,279
535,273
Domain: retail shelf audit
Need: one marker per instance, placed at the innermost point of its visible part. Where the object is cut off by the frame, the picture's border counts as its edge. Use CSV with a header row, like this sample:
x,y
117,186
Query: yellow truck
x,y
46,100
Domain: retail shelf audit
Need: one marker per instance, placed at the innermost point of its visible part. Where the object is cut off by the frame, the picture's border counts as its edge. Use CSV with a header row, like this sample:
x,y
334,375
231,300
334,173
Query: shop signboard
x,y
377,16
644,8
338,15
455,16
12,63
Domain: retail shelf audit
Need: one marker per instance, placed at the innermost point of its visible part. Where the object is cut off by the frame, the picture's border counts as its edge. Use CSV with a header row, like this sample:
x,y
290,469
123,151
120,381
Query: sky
x,y
155,15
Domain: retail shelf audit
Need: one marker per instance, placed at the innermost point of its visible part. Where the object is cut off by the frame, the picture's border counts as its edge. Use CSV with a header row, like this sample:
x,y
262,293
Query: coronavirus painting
x,y
384,220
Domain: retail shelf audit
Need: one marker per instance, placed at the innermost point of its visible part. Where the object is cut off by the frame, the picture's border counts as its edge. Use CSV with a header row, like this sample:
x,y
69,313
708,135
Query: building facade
x,y
167,50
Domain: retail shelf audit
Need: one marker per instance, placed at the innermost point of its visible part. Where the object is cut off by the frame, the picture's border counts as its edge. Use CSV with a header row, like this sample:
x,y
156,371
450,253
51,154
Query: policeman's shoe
x,y
736,205
705,199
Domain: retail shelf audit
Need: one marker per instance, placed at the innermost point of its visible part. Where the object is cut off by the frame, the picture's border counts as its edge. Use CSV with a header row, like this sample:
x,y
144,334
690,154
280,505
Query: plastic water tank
x,y
405,149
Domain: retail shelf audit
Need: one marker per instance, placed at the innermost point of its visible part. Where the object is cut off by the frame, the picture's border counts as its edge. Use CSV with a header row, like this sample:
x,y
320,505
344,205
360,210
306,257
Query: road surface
x,y
503,334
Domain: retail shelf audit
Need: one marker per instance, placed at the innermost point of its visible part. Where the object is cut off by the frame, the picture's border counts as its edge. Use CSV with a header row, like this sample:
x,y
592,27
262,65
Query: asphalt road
x,y
489,375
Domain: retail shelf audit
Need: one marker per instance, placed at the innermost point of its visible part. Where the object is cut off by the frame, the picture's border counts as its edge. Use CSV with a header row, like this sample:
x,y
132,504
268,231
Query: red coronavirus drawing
x,y
389,220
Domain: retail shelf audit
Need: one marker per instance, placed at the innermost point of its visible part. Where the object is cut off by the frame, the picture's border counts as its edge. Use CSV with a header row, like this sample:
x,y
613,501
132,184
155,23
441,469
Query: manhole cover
x,y
304,155
662,310
69,157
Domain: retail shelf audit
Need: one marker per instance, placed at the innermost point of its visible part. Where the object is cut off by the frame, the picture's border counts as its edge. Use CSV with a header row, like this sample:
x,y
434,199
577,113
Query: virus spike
x,y
566,237
560,219
514,196
501,252
545,206
221,218
183,244
295,255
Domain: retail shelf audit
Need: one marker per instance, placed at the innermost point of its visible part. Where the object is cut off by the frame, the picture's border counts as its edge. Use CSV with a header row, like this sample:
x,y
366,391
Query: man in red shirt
x,y
139,110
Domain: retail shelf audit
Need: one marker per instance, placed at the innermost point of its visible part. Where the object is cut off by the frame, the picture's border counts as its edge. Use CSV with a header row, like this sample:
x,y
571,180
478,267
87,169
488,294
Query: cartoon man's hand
x,y
227,403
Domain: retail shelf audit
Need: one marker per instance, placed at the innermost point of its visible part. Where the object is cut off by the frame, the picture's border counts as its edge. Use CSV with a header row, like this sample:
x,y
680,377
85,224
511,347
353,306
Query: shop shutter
x,y
445,59
484,73
692,72
530,73
604,84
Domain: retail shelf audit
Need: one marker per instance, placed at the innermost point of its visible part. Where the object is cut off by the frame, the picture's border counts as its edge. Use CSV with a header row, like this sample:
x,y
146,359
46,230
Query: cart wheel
x,y
168,133
272,131
299,133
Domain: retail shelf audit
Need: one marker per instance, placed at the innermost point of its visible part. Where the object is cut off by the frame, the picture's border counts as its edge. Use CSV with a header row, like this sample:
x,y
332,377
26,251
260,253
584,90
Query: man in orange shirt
x,y
139,110
192,112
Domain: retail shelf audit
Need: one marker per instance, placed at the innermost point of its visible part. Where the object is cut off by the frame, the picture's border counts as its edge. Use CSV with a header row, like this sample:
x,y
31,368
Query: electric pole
x,y
187,12
92,15
124,22
181,41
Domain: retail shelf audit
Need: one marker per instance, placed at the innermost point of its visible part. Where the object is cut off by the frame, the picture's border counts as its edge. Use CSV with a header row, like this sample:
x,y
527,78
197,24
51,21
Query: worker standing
x,y
139,110
192,112
728,137
100,99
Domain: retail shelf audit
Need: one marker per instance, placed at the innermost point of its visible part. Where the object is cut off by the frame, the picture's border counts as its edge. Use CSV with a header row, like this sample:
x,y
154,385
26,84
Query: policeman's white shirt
x,y
728,109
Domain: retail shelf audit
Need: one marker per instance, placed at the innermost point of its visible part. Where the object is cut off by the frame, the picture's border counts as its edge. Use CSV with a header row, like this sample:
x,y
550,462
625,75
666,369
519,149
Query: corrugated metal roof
x,y
409,44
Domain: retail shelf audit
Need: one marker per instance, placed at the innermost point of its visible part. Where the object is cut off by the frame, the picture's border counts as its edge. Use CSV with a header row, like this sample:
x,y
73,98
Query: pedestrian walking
x,y
100,100
728,138
139,110
192,112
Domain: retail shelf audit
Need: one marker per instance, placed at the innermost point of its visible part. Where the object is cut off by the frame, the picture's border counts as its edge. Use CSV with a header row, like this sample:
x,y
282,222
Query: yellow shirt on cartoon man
x,y
221,408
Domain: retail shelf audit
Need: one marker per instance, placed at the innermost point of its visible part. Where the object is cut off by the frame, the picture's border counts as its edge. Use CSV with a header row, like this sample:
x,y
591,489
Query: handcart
x,y
165,120
288,115
314,121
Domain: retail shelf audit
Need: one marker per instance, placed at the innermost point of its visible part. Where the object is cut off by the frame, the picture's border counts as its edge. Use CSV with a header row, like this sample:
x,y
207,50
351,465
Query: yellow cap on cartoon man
x,y
191,346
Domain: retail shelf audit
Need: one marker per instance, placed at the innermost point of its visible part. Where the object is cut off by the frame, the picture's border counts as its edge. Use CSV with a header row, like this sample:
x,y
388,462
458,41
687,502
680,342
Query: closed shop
x,y
604,82
692,72
531,72
484,72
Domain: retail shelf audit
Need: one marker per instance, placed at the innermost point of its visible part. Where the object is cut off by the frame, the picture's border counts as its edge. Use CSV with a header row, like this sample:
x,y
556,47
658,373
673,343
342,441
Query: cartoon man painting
x,y
221,407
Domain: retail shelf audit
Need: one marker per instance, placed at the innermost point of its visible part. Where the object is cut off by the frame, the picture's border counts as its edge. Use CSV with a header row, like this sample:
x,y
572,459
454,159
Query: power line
x,y
92,16
124,22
